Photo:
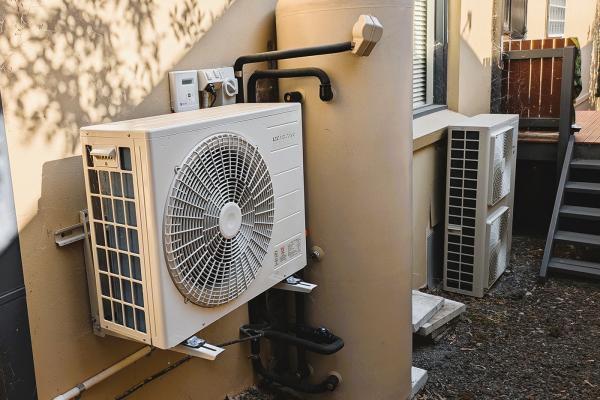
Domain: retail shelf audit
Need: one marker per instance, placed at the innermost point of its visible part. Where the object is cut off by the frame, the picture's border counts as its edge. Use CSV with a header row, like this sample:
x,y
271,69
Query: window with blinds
x,y
420,53
430,49
556,17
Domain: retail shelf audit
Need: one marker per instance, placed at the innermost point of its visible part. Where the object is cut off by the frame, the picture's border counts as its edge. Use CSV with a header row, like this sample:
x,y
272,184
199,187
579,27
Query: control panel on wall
x,y
184,90
204,88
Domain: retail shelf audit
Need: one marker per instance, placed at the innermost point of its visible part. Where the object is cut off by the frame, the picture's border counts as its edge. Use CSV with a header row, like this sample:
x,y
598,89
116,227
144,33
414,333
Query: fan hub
x,y
230,220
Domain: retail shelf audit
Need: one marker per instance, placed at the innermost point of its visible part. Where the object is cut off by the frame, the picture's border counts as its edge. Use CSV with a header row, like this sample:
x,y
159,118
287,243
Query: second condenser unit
x,y
479,202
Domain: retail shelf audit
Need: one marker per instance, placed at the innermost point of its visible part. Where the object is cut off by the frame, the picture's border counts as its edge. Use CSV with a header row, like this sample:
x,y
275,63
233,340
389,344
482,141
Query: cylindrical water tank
x,y
358,157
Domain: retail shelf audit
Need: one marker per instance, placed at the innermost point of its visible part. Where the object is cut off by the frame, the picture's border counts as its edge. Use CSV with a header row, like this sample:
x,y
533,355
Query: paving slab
x,y
450,310
418,379
424,307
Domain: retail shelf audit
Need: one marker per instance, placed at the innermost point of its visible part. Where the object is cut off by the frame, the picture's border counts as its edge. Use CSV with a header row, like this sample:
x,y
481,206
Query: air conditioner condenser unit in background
x,y
192,215
482,155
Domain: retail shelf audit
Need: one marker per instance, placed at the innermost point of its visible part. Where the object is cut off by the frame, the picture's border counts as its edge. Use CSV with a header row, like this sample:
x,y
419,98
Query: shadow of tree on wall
x,y
70,64
190,22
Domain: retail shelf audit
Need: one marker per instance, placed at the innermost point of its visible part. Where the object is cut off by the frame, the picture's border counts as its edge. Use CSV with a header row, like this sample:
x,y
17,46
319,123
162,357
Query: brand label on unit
x,y
287,251
284,138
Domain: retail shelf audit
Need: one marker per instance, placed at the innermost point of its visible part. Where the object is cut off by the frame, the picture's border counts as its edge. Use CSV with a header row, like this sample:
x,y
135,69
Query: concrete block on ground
x,y
418,379
424,307
450,310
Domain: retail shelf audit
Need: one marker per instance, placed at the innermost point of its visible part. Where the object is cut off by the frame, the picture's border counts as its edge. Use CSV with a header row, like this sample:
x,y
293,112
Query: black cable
x,y
210,88
176,364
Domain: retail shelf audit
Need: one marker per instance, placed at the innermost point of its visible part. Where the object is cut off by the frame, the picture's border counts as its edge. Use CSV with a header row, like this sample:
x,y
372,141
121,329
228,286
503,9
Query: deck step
x,y
583,267
576,237
580,212
583,187
585,164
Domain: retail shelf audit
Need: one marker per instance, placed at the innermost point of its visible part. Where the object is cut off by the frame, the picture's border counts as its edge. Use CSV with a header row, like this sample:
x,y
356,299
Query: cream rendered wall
x,y
64,65
470,49
579,22
428,190
429,184
469,56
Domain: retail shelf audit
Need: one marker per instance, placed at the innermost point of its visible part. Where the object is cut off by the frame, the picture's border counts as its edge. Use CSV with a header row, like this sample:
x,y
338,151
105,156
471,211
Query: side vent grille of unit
x,y
223,182
462,209
501,167
116,245
498,244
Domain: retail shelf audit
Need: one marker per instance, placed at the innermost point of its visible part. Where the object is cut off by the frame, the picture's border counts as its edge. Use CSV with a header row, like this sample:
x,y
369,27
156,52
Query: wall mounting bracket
x,y
72,234
293,284
196,347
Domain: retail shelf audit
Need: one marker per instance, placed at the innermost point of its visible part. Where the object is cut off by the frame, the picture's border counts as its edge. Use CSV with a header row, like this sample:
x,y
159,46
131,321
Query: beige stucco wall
x,y
469,56
579,21
65,65
470,50
429,183
428,190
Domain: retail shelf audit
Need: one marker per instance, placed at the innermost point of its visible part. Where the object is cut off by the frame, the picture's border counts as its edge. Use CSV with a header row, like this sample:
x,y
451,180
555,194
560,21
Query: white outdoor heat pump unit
x,y
192,215
479,202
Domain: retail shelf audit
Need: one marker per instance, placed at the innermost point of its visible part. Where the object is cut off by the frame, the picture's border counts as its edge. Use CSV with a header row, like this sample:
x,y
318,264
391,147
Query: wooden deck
x,y
590,127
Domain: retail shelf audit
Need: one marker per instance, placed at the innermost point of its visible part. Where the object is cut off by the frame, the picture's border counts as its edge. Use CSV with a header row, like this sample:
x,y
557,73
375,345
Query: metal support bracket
x,y
197,347
293,284
71,234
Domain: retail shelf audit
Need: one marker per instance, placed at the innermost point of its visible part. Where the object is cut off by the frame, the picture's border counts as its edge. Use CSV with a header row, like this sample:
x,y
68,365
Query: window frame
x,y
437,59
548,20
508,19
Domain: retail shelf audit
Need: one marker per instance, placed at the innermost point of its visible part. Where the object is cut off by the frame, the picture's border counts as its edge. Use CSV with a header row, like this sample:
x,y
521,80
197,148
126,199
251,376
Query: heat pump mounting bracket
x,y
71,234
197,347
293,284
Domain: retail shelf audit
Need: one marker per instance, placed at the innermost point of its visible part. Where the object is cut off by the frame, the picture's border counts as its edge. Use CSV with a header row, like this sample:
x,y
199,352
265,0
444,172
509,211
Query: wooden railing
x,y
538,84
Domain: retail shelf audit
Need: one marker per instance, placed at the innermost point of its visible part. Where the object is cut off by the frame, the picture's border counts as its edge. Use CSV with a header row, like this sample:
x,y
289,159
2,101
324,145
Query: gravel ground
x,y
265,394
522,340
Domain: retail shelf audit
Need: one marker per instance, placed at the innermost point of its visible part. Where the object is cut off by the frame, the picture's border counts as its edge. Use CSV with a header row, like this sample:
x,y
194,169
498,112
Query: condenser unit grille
x,y
498,237
219,219
464,155
116,240
501,153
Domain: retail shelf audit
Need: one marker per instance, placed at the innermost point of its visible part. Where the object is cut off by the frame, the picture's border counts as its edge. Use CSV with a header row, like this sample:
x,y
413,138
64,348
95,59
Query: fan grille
x,y
502,153
210,263
498,230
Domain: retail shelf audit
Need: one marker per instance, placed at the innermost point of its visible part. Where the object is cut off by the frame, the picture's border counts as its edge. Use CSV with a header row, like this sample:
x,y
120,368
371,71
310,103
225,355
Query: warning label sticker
x,y
287,251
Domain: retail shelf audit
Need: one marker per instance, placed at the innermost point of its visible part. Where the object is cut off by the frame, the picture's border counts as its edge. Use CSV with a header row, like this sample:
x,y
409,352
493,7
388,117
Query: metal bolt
x,y
195,342
317,253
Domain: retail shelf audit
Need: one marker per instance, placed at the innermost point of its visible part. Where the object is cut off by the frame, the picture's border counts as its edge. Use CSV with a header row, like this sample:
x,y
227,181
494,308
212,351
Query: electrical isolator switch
x,y
367,31
223,83
184,90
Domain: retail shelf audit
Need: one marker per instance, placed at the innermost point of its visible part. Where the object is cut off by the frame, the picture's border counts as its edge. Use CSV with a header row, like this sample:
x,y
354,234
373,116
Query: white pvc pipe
x,y
113,369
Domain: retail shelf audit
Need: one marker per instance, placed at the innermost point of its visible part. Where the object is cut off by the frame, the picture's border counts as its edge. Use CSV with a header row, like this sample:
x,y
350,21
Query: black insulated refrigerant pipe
x,y
315,340
325,92
283,55
329,384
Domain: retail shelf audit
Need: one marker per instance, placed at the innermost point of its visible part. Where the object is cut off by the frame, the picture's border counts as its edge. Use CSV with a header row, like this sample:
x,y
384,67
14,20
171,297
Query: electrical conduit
x,y
108,372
